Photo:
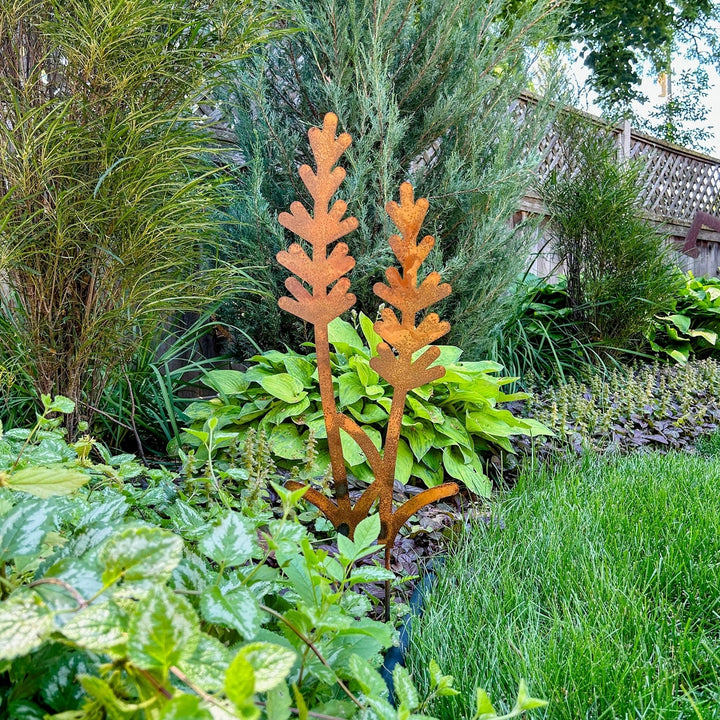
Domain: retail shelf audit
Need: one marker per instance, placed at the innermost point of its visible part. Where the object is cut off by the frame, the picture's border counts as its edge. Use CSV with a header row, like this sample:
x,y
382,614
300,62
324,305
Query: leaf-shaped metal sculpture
x,y
325,295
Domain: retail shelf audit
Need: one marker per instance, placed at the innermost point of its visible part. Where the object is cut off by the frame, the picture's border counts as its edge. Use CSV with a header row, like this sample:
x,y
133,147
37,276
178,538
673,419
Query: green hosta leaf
x,y
226,382
25,622
163,631
235,609
681,322
141,553
46,482
344,339
185,707
455,430
299,368
403,466
351,450
708,335
231,542
430,477
271,663
284,387
350,389
420,437
534,428
449,355
285,441
469,473
368,330
490,422
404,688
23,529
100,627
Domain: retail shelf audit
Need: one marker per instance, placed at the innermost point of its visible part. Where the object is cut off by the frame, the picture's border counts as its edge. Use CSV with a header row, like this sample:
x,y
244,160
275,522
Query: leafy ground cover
x,y
597,581
655,405
136,594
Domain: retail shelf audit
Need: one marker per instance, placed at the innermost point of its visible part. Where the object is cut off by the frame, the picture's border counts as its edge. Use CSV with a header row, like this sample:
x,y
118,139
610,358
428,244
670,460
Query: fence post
x,y
624,141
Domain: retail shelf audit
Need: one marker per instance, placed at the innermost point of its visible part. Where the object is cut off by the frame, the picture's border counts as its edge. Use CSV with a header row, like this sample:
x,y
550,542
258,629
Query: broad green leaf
x,y
403,466
350,389
405,690
369,413
46,482
367,531
469,473
60,688
371,573
231,608
284,387
226,382
164,630
271,663
207,666
25,710
240,680
430,477
231,542
140,553
25,622
449,355
708,335
343,337
185,707
368,330
420,437
369,679
277,703
59,403
351,450
489,422
100,627
285,442
681,322
23,529
455,430
299,368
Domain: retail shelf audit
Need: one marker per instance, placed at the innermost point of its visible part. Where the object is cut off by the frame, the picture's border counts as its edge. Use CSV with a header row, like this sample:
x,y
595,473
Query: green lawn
x,y
598,582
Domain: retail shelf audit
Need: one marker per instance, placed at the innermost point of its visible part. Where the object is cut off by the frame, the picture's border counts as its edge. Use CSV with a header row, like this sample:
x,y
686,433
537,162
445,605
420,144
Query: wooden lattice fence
x,y
677,183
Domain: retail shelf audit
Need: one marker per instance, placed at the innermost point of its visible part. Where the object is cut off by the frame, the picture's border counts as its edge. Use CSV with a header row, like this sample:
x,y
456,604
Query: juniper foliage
x,y
428,90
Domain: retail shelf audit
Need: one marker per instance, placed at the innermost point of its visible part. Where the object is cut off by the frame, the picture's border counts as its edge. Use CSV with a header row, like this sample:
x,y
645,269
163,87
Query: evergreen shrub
x,y
428,90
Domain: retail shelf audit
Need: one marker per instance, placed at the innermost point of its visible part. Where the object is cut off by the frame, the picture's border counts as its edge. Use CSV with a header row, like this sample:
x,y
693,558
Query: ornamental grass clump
x,y
107,184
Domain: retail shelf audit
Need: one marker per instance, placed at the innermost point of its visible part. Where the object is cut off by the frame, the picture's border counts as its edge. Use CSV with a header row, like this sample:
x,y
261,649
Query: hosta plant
x,y
692,325
450,424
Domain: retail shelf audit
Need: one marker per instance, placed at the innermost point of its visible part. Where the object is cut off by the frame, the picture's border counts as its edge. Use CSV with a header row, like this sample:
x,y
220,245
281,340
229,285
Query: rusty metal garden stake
x,y
324,273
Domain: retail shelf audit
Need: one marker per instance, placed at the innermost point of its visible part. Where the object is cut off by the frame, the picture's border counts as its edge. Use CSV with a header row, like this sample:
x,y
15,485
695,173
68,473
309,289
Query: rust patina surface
x,y
320,293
